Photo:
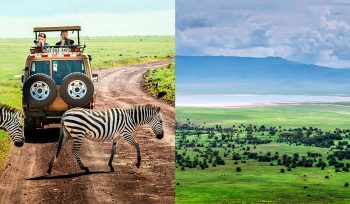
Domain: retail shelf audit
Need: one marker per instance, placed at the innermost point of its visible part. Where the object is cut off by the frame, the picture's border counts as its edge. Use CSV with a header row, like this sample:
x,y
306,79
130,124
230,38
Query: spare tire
x,y
39,90
77,89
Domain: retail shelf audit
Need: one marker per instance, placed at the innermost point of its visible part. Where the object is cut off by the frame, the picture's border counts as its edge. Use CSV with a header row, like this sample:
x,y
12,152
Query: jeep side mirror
x,y
95,77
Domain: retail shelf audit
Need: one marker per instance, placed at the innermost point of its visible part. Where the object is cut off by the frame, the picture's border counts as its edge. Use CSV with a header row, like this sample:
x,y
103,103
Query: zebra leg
x,y
114,148
61,142
78,141
132,141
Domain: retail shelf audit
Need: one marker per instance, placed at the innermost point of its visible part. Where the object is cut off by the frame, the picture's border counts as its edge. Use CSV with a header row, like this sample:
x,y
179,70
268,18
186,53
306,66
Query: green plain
x,y
259,182
323,116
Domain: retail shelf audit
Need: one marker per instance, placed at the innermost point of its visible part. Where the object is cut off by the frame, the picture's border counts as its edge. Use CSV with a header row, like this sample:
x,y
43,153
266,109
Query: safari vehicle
x,y
55,79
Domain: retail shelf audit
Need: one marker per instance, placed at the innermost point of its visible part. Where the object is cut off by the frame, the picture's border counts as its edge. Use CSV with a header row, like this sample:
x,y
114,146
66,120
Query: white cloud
x,y
327,58
311,32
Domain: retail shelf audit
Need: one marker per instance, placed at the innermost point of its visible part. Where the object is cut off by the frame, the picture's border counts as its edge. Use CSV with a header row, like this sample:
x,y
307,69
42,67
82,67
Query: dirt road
x,y
25,179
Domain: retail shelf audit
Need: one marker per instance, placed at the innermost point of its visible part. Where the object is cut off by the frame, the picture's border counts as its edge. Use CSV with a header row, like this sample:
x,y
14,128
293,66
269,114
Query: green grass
x,y
325,117
13,54
259,182
162,80
5,146
118,51
106,52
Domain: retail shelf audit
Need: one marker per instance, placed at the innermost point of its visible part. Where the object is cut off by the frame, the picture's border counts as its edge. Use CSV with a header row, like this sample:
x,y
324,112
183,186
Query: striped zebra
x,y
106,125
11,121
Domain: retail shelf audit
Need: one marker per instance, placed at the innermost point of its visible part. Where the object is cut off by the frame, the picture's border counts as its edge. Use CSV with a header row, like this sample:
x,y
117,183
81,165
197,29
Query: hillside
x,y
272,75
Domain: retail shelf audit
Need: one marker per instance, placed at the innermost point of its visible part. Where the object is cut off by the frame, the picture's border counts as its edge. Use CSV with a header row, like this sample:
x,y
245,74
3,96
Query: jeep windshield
x,y
61,68
40,67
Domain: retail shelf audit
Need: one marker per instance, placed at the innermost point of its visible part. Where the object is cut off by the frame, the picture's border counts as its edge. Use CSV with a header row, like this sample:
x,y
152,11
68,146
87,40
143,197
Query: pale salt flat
x,y
241,100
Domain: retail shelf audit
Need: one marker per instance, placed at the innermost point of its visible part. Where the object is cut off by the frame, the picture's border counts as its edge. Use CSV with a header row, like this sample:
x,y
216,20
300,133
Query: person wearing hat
x,y
41,41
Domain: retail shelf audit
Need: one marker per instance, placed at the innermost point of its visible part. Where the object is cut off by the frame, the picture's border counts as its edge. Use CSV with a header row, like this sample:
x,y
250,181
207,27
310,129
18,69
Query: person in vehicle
x,y
64,39
41,41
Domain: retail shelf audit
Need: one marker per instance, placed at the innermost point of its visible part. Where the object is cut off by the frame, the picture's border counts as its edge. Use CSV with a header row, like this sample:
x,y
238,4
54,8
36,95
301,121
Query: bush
x,y
346,184
238,169
161,82
236,157
282,171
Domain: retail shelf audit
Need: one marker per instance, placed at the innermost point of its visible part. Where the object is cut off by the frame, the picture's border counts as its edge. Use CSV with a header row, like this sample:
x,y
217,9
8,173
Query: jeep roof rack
x,y
57,28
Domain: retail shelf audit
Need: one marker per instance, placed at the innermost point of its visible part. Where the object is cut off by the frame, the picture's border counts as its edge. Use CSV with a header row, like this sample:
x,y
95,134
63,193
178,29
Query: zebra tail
x,y
63,132
60,141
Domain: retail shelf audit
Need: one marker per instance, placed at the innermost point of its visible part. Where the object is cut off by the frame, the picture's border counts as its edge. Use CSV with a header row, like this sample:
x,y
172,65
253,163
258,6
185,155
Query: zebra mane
x,y
147,106
150,106
152,110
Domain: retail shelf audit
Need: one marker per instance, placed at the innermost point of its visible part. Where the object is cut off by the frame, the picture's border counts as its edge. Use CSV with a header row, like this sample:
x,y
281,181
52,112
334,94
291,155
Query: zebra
x,y
11,121
106,125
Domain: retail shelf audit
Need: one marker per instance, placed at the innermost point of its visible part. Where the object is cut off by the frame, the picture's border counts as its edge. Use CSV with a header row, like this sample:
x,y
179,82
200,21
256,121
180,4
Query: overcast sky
x,y
97,17
313,31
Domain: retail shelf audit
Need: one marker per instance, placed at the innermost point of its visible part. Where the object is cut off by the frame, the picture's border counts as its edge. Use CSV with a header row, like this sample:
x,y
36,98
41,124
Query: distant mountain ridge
x,y
271,75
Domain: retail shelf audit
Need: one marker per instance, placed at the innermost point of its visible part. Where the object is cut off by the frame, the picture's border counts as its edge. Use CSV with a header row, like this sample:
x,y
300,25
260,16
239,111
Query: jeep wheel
x,y
77,89
39,90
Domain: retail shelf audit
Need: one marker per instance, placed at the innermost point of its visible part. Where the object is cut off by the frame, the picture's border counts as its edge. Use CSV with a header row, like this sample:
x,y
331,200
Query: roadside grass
x,y
106,52
5,146
13,54
160,82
